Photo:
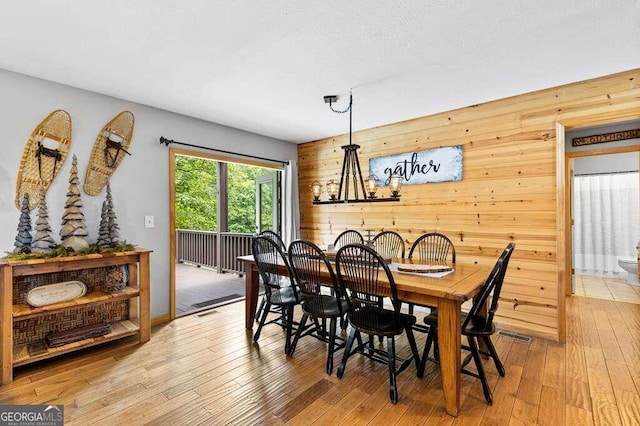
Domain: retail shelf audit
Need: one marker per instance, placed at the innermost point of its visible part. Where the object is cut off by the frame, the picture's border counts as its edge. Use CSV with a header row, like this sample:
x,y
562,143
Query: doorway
x,y
603,193
217,204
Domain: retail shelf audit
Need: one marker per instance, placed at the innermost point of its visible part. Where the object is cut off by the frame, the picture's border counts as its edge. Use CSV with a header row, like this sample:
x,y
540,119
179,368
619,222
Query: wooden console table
x,y
24,327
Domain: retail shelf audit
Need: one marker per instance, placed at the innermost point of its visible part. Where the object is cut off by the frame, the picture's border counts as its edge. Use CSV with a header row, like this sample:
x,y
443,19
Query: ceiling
x,y
264,66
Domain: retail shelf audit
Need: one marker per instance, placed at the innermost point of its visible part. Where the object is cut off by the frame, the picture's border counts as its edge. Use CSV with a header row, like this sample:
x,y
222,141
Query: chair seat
x,y
283,296
325,306
372,320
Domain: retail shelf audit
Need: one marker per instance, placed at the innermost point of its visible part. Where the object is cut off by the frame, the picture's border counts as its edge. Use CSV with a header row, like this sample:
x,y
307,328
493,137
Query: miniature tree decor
x,y
23,239
113,228
103,232
42,240
74,229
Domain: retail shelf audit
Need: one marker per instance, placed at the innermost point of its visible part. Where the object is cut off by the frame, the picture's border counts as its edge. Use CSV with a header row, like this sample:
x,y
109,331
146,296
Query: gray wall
x,y
140,186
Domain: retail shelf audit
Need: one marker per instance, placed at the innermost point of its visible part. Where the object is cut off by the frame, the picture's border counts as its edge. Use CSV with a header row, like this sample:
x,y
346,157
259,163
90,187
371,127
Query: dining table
x,y
447,293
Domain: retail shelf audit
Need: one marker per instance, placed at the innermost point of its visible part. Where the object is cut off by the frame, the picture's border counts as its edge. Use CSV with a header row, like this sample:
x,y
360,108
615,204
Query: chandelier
x,y
364,189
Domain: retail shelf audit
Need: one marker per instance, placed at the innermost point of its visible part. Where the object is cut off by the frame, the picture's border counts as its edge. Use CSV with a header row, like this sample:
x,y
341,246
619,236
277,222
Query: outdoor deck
x,y
200,288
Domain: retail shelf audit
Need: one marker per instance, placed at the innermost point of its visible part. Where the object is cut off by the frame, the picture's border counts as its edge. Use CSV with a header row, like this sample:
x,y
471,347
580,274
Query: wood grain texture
x,y
204,369
512,188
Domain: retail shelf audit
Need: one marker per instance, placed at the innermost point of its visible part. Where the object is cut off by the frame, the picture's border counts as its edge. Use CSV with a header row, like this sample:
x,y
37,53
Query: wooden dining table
x,y
448,293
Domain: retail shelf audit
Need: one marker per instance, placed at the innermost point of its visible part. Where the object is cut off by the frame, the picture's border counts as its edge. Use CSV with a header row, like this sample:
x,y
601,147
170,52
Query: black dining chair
x,y
308,263
389,244
273,236
272,263
431,247
350,236
476,325
364,277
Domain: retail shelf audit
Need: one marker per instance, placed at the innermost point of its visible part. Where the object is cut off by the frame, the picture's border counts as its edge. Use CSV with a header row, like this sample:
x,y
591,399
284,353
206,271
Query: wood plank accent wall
x,y
512,190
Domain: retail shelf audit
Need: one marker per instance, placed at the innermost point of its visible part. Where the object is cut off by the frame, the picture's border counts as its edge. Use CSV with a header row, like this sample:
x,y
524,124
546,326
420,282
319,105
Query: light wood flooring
x,y
205,369
607,288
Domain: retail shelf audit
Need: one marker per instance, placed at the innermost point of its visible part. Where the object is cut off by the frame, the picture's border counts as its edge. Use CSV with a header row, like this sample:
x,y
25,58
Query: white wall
x,y
140,186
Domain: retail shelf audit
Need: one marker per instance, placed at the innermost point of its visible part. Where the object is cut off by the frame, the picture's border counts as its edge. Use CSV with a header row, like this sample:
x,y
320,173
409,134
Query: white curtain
x,y
291,213
606,221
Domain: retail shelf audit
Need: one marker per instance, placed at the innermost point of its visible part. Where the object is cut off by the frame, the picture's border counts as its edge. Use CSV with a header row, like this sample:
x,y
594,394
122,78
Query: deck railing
x,y
201,248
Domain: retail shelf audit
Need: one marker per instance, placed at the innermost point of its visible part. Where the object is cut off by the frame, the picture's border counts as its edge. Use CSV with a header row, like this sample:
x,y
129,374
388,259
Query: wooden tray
x,y
424,269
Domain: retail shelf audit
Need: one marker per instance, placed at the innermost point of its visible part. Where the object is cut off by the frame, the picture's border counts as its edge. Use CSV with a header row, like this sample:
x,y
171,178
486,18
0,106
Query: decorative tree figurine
x,y
42,240
74,229
114,229
103,233
23,239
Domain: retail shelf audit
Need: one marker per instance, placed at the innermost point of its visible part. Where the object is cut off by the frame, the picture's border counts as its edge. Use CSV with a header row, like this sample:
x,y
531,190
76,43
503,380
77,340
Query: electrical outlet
x,y
149,222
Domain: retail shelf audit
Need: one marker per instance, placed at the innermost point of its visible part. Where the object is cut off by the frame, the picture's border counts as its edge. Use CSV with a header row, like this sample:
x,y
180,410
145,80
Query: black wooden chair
x,y
364,277
272,263
350,236
389,244
435,248
308,263
476,325
278,240
275,237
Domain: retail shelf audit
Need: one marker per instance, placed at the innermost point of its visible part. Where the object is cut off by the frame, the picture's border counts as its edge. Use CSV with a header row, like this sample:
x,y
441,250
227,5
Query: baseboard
x,y
163,319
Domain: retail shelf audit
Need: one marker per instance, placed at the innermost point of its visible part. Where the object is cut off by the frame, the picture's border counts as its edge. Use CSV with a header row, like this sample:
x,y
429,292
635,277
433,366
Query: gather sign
x,y
433,165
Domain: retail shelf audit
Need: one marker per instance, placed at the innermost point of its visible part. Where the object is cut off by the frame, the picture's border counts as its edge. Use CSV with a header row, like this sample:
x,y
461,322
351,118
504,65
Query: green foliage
x,y
196,195
242,197
62,251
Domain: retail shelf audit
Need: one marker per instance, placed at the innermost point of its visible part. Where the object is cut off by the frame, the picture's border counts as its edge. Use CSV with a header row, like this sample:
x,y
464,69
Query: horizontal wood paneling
x,y
508,192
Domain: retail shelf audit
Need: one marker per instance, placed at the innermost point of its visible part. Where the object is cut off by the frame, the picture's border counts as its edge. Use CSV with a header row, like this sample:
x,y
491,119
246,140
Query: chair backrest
x,y
273,236
350,236
491,288
272,264
433,247
364,277
308,263
389,244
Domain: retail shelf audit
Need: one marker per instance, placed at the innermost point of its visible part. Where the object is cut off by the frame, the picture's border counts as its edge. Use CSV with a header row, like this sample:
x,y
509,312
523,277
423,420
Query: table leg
x,y
449,345
251,286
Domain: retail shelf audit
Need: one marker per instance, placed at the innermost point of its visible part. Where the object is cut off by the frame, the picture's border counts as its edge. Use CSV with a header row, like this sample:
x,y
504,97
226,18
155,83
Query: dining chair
x,y
389,244
350,236
271,260
476,325
273,236
364,277
308,262
431,247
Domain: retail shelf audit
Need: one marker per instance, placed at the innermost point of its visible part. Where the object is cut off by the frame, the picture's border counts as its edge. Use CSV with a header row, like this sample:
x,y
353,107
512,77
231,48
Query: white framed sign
x,y
433,165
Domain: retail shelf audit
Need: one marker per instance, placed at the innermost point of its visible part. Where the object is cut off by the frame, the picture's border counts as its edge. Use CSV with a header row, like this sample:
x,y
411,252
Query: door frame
x,y
570,158
274,178
173,152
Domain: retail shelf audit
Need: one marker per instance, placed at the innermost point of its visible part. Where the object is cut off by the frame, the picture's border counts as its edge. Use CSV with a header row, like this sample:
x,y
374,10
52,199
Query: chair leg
x,y
391,359
427,348
414,347
410,308
332,344
288,315
473,347
263,319
494,354
260,309
347,351
303,321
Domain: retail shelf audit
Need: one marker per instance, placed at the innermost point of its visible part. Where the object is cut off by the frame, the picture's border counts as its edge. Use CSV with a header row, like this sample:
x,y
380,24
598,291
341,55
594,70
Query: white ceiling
x,y
265,65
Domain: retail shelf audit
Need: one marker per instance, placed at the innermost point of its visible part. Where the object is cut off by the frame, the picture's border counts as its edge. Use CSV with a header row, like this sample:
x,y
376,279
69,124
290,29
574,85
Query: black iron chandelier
x,y
365,192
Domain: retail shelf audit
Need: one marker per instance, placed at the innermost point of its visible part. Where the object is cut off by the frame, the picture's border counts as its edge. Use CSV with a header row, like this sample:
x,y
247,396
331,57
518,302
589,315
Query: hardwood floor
x,y
204,369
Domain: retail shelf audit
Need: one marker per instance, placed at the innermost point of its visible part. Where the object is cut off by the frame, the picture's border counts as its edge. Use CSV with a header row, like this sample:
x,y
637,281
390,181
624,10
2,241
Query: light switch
x,y
149,222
